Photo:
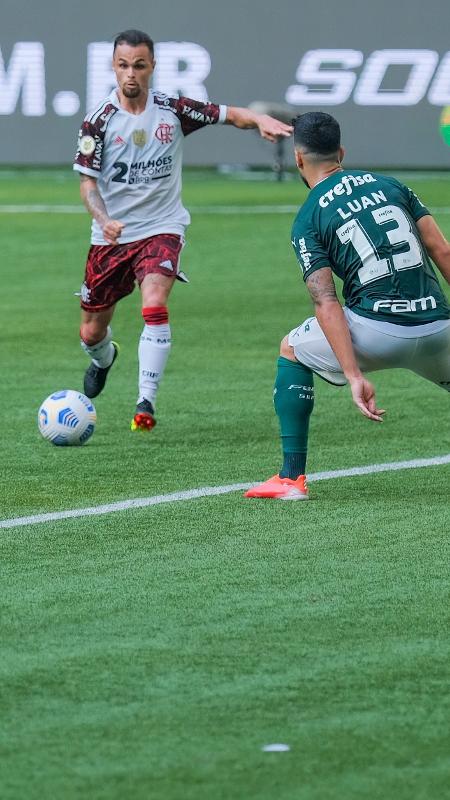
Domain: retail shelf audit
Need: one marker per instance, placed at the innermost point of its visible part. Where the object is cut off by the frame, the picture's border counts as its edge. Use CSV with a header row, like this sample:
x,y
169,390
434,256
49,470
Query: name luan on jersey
x,y
363,226
137,161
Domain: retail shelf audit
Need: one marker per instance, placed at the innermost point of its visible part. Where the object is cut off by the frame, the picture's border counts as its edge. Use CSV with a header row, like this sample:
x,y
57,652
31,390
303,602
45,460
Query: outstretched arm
x,y
92,199
269,127
436,244
331,319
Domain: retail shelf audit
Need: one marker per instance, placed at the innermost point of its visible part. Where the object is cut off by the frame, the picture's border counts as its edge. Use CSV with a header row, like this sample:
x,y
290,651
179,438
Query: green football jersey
x,y
363,226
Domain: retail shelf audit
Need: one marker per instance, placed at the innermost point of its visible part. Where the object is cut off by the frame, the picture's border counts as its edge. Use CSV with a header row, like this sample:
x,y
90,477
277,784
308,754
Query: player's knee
x,y
155,289
92,332
286,350
155,296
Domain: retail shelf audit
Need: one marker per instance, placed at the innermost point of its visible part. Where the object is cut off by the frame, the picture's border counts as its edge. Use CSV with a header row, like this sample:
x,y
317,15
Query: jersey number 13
x,y
373,266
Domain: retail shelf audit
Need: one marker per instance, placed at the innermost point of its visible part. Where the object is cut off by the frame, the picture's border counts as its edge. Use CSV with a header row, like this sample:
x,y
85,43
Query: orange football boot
x,y
281,489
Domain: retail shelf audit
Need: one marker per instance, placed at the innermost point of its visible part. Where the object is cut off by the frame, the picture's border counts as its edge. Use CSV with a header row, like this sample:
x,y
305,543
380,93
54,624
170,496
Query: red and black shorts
x,y
112,270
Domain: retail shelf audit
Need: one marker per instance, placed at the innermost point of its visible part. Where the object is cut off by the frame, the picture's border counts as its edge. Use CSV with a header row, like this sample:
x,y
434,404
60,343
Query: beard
x,y
131,91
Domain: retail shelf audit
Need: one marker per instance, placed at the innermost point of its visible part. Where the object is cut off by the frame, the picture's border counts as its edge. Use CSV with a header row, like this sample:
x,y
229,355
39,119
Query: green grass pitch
x,y
152,653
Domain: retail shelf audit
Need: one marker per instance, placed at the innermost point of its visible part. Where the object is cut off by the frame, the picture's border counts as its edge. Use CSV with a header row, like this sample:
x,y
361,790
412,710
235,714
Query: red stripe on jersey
x,y
155,315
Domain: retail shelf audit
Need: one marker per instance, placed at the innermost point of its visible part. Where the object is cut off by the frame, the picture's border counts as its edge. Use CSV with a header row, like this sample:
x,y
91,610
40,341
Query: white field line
x,y
259,209
42,209
79,209
211,491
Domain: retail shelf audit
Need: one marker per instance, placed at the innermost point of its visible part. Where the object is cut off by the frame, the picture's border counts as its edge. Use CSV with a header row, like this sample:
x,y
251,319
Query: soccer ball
x,y
67,418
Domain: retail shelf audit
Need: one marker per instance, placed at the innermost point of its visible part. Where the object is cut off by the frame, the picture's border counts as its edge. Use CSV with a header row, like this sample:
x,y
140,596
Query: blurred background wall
x,y
383,69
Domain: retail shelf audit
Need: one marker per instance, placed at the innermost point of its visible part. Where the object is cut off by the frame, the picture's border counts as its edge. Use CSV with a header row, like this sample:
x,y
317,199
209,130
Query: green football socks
x,y
294,402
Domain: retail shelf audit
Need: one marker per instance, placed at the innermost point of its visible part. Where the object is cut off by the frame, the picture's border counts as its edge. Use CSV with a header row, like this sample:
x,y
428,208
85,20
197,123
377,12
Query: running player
x,y
378,238
129,158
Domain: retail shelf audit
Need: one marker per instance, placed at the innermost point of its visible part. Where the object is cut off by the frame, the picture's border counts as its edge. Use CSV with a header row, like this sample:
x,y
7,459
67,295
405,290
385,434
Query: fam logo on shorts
x,y
164,133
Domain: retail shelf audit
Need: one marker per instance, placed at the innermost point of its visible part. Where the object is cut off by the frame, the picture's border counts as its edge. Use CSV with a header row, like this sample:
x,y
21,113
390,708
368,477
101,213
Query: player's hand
x,y
112,229
272,129
363,394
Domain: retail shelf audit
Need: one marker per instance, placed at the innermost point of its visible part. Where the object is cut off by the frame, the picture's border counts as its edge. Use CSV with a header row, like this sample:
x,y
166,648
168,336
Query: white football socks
x,y
102,353
153,352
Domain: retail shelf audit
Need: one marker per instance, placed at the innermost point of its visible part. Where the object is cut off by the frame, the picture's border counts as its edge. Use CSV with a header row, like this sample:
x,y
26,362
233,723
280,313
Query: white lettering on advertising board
x,y
328,77
324,77
182,68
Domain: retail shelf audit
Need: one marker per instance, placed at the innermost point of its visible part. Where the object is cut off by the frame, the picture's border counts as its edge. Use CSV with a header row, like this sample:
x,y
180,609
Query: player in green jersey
x,y
374,234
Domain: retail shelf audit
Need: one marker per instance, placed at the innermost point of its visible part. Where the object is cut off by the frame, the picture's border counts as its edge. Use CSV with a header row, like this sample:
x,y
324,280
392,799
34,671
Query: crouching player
x,y
376,236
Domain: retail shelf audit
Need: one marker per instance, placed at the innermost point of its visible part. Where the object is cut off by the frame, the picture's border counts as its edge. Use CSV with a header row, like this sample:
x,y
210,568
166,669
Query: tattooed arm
x,y
92,199
331,319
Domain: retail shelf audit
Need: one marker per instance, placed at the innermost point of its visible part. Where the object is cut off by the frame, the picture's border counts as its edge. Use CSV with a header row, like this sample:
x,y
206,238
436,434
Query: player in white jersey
x,y
129,158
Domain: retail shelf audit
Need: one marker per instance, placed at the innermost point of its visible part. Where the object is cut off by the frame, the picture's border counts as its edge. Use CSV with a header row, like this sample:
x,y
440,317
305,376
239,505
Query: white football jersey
x,y
137,161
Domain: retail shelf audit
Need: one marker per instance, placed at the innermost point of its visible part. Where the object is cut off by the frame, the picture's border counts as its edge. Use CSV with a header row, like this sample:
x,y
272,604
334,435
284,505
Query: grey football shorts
x,y
424,349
